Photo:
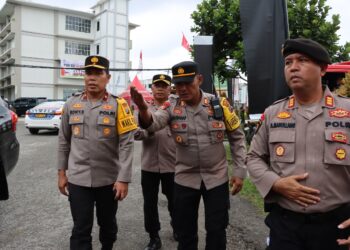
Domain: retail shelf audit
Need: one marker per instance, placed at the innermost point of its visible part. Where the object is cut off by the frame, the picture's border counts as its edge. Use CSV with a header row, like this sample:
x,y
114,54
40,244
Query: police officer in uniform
x,y
198,124
157,164
299,159
95,155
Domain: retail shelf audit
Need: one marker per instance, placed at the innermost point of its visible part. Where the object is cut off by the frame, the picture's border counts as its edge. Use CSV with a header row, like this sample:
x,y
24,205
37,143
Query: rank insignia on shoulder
x,y
284,115
280,150
339,137
340,153
339,113
165,105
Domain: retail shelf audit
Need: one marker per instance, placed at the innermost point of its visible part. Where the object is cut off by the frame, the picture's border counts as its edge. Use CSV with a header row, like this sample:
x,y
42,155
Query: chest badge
x,y
339,113
106,120
280,150
107,107
106,131
78,105
179,139
178,111
76,130
340,153
76,119
284,115
339,137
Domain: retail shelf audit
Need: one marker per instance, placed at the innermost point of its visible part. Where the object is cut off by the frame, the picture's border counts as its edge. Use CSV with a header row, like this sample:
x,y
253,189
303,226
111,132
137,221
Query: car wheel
x,y
34,131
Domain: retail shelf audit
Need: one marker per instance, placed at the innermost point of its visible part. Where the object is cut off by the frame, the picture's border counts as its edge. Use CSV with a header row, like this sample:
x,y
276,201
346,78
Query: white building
x,y
43,35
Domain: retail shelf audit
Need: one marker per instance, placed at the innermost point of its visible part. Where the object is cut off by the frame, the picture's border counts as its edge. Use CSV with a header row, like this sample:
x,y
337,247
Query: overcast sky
x,y
162,23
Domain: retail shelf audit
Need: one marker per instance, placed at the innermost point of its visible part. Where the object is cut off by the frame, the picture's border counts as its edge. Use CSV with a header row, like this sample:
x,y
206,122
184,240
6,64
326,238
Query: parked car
x,y
46,115
22,104
9,146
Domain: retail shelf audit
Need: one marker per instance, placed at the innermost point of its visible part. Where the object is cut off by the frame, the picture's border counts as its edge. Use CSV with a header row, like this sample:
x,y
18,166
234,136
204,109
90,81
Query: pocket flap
x,y
76,119
216,125
179,127
106,121
337,136
282,136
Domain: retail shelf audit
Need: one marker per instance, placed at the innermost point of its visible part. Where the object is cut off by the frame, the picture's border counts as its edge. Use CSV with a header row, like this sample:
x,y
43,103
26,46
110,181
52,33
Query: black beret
x,y
184,71
308,47
96,62
162,78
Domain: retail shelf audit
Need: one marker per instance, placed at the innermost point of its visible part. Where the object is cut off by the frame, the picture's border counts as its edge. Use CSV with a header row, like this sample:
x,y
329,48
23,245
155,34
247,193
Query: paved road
x,y
37,217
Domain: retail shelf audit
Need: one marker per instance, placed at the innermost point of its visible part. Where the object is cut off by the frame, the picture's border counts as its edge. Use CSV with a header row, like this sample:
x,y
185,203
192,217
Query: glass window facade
x,y
78,24
76,48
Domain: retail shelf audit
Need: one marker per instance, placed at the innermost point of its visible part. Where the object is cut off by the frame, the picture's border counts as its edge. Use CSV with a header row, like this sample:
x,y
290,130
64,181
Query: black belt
x,y
312,217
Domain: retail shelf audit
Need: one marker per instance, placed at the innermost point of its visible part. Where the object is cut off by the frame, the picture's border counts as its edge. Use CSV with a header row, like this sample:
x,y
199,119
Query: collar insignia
x,y
329,101
291,102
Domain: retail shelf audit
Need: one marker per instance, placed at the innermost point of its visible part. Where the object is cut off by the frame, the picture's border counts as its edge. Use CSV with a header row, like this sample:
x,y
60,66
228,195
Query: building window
x,y
78,24
75,48
98,26
97,49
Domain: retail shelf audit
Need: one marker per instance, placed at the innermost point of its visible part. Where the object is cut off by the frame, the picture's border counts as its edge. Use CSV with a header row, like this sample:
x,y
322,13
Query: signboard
x,y
72,73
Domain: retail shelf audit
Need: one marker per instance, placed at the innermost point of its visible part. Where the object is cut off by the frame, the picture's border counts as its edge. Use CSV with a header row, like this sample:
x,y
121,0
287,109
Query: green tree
x,y
344,88
221,19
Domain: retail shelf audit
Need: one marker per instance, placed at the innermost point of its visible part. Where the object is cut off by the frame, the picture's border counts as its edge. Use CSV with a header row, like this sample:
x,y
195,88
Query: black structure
x,y
264,28
203,55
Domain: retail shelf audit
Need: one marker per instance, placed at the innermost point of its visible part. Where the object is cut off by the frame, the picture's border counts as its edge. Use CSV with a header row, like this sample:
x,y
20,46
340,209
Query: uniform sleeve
x,y
64,140
126,149
257,161
140,134
238,151
160,120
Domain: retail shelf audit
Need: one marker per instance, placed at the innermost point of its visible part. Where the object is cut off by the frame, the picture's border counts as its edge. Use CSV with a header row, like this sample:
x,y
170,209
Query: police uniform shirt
x,y
158,149
89,145
292,141
200,152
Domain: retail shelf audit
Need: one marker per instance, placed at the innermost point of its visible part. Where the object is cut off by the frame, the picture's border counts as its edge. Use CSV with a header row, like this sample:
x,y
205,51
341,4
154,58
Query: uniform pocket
x,y
76,123
337,148
106,127
282,146
179,132
216,131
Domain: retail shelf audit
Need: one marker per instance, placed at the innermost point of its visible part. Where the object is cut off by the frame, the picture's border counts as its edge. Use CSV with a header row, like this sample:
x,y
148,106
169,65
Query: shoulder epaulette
x,y
77,93
281,100
343,96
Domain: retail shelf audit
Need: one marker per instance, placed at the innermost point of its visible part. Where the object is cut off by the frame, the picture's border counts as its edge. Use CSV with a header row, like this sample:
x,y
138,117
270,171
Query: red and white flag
x,y
185,44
